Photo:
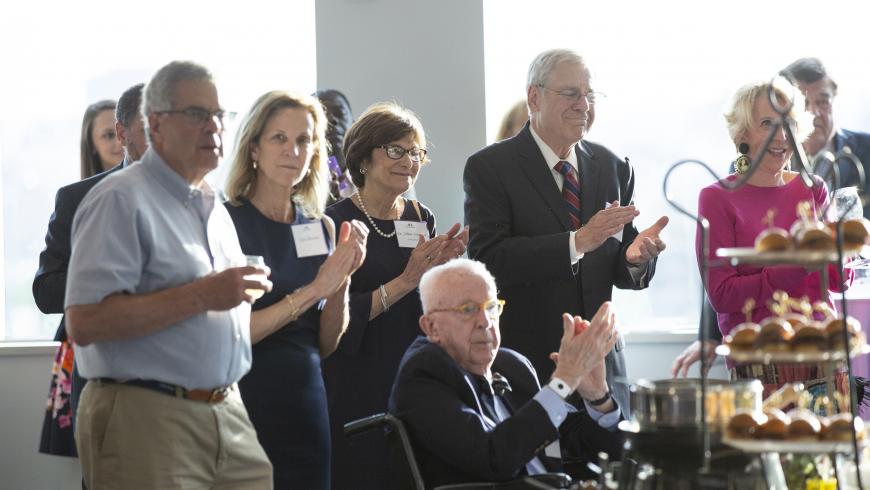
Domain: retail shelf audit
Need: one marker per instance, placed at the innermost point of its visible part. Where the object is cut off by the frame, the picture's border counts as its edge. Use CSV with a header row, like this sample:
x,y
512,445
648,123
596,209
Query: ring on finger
x,y
428,258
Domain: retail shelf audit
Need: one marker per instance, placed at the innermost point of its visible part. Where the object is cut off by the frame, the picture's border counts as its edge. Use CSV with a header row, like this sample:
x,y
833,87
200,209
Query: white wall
x,y
24,378
428,56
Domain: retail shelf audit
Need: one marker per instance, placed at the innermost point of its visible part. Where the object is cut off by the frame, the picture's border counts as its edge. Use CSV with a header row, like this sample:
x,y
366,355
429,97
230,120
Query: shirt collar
x,y
175,184
550,156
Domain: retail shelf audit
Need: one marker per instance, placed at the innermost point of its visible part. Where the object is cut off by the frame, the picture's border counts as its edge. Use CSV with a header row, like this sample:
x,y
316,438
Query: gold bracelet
x,y
294,310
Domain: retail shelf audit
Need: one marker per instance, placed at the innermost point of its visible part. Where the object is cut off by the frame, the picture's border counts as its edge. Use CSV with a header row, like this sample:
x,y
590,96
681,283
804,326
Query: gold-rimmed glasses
x,y
492,307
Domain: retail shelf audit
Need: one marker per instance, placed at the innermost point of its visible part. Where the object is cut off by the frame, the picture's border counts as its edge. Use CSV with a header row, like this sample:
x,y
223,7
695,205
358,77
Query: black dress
x,y
284,392
360,374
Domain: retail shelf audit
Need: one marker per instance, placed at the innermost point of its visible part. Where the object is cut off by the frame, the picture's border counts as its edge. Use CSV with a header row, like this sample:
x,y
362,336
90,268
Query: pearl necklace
x,y
372,222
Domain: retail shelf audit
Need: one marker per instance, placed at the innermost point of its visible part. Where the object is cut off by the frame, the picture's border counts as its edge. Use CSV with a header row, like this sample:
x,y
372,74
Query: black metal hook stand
x,y
783,108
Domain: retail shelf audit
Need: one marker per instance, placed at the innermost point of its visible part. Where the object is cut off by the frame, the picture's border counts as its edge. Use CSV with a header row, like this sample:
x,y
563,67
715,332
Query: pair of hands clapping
x,y
584,345
350,253
438,250
608,222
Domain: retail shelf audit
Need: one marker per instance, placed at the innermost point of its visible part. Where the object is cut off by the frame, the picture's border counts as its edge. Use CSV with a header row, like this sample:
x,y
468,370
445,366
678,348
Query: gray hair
x,y
128,105
160,92
546,62
455,268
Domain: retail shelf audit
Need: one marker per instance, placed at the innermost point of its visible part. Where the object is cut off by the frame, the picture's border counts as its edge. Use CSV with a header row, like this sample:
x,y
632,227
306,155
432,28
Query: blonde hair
x,y
515,118
312,191
739,115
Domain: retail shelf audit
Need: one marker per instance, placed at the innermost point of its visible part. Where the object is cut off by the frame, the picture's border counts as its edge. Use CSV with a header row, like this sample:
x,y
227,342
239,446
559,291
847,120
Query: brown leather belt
x,y
216,395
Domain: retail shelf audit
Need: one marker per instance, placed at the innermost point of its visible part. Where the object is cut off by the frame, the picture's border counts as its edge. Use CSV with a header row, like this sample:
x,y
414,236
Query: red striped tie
x,y
570,191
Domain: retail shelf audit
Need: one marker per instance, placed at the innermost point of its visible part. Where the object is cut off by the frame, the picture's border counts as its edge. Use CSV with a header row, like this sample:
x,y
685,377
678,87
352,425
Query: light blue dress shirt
x,y
147,229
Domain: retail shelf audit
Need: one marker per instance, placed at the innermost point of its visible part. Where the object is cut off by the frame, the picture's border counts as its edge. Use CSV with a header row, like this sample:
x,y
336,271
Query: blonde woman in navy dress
x,y
277,190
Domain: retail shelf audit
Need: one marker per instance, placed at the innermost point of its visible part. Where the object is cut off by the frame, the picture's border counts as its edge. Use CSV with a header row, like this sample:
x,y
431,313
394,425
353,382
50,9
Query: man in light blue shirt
x,y
159,312
475,411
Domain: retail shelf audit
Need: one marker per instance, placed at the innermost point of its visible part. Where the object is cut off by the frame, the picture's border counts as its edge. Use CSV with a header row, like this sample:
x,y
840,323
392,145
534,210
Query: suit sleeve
x,y
439,421
493,239
628,276
49,284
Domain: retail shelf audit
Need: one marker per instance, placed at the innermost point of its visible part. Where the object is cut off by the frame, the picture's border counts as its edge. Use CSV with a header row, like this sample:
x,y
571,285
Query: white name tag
x,y
309,240
408,232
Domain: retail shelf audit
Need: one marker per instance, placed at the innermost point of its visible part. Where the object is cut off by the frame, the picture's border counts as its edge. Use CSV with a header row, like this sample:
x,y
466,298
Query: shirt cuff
x,y
572,248
557,408
605,420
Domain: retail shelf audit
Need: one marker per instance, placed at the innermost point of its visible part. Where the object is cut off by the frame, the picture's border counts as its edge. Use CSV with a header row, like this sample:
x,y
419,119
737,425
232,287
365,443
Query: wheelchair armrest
x,y
375,421
380,420
549,480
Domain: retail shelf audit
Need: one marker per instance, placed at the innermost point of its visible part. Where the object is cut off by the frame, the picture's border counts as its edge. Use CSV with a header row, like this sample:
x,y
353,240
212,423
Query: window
x,y
669,70
55,65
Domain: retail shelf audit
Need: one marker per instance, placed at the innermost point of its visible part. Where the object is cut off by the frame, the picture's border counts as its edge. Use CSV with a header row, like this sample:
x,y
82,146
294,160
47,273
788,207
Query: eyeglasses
x,y
493,308
396,152
576,95
197,116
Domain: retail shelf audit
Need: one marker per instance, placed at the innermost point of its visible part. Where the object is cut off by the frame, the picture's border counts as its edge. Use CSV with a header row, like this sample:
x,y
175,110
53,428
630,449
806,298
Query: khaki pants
x,y
131,438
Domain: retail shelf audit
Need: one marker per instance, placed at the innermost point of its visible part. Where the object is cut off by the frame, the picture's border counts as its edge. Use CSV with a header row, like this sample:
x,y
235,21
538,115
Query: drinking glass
x,y
255,261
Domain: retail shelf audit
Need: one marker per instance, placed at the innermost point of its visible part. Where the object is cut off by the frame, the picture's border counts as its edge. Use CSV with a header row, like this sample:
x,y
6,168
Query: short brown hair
x,y
380,124
311,192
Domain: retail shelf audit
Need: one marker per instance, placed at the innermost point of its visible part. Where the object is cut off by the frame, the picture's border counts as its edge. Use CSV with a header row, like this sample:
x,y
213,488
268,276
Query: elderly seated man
x,y
475,412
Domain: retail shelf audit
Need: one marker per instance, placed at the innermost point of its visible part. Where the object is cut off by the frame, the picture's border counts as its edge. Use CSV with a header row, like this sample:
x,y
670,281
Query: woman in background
x,y
277,192
737,217
513,121
100,148
384,151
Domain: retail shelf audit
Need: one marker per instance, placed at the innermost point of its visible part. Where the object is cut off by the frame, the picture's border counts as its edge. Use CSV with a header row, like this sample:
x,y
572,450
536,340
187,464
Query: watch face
x,y
560,387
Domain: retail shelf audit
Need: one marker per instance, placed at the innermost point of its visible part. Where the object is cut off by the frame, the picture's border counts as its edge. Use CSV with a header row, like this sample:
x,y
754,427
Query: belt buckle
x,y
218,395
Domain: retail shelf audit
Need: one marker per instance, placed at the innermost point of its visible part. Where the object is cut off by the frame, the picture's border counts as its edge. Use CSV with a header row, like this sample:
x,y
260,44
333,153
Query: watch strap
x,y
600,401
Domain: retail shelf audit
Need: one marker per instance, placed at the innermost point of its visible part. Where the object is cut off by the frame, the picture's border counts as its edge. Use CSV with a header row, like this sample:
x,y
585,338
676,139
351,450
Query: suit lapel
x,y
589,204
535,168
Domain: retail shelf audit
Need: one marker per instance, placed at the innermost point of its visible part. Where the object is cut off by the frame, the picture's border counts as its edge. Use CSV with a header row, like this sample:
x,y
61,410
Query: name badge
x,y
408,232
309,240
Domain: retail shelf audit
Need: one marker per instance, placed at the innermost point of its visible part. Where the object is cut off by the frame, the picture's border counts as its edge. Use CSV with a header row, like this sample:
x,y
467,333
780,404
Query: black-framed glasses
x,y
396,152
492,307
574,96
197,116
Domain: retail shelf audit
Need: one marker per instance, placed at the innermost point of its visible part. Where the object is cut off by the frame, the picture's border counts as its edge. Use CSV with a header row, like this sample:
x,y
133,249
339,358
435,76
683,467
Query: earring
x,y
254,164
362,171
742,163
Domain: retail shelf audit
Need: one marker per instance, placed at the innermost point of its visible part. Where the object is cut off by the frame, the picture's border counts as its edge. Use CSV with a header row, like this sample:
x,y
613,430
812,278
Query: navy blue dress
x,y
284,392
359,375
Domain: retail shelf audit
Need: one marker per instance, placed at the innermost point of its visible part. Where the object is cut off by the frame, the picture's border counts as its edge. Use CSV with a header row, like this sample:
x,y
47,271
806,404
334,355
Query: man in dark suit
x,y
475,412
820,91
551,216
49,284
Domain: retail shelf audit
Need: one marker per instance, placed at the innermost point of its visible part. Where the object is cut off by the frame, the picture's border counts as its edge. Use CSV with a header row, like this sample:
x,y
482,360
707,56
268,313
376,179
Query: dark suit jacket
x,y
859,143
519,227
49,285
439,404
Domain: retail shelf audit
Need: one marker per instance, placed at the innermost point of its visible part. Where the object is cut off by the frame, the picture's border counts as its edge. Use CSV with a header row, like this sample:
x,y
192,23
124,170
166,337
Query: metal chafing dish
x,y
676,403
